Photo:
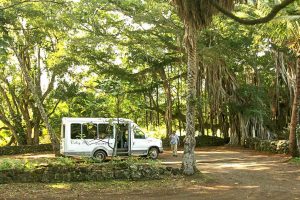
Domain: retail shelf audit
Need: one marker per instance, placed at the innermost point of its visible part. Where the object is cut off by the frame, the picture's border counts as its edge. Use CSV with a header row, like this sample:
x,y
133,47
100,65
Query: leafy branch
x,y
30,1
262,20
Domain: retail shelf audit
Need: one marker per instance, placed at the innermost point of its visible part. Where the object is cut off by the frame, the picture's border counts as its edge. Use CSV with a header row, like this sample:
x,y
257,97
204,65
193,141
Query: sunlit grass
x,y
65,186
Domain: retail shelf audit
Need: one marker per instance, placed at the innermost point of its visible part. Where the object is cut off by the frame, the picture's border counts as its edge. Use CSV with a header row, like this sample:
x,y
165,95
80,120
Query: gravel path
x,y
238,173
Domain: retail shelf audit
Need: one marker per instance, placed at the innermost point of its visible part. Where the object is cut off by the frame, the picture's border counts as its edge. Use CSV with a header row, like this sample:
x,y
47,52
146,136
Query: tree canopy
x,y
132,59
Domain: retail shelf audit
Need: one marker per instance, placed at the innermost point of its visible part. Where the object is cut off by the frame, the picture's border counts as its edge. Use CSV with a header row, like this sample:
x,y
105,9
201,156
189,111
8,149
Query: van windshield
x,y
139,134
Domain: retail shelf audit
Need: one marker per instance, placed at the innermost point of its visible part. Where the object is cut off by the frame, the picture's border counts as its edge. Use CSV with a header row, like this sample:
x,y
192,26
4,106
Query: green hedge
x,y
201,141
11,150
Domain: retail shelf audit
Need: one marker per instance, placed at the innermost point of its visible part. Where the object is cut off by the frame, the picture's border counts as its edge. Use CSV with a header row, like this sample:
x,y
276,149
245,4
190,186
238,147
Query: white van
x,y
96,137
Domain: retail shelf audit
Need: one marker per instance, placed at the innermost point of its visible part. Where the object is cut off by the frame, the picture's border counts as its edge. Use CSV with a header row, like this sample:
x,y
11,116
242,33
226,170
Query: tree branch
x,y
265,19
13,94
11,141
54,108
5,120
8,103
50,87
29,1
4,128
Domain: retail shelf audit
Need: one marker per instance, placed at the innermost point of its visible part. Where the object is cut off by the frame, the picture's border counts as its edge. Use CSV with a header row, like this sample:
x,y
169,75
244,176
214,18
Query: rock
x,y
136,175
176,171
122,174
169,168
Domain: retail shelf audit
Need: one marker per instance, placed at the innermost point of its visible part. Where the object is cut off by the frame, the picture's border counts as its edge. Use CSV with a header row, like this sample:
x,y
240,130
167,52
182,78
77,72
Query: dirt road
x,y
230,173
245,174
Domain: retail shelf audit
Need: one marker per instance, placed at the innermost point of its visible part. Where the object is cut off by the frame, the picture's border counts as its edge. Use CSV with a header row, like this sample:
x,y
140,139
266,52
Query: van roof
x,y
95,120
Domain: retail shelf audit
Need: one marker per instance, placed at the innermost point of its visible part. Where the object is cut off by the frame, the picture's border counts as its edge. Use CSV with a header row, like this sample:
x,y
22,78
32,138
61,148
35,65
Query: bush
x,y
16,164
64,161
7,164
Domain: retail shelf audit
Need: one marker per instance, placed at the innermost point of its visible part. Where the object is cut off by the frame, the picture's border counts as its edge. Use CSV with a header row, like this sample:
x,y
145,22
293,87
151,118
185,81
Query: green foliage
x,y
252,101
15,164
63,161
296,161
133,161
156,132
106,59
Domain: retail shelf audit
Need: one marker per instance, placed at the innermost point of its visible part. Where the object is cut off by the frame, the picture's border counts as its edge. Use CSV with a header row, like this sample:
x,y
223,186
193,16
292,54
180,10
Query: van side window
x,y
138,134
75,131
89,131
105,131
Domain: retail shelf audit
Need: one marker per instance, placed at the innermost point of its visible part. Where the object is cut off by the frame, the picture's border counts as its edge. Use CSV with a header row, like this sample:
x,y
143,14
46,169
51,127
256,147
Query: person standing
x,y
174,141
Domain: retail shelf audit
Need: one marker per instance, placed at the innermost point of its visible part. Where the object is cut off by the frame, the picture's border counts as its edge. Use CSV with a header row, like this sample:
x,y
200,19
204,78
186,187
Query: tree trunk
x,y
118,112
157,107
234,135
39,104
168,112
199,106
295,115
36,121
178,101
146,112
150,112
188,161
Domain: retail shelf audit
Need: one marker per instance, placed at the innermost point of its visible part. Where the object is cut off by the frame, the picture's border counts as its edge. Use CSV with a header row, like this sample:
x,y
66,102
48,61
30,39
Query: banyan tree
x,y
196,15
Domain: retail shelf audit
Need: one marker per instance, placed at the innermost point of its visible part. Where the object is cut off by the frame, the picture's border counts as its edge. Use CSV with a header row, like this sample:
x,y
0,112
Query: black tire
x,y
99,156
153,153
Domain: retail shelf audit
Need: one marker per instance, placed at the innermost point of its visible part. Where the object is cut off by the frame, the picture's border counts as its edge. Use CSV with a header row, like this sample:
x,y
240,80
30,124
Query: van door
x,y
123,146
106,136
139,143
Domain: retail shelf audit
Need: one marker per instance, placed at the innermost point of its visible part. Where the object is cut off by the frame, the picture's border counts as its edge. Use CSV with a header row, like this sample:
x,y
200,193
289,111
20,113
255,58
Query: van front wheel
x,y
153,153
99,156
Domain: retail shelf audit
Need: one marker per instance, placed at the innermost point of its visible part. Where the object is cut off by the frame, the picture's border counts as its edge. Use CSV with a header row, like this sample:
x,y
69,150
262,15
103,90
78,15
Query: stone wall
x,y
201,141
11,150
88,172
274,146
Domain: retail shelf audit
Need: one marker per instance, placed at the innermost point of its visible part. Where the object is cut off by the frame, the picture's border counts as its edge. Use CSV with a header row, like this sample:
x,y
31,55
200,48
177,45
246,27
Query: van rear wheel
x,y
153,153
99,156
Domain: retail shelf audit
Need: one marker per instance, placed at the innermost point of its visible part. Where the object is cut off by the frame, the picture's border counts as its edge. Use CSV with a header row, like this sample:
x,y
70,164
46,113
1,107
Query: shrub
x,y
64,161
14,164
